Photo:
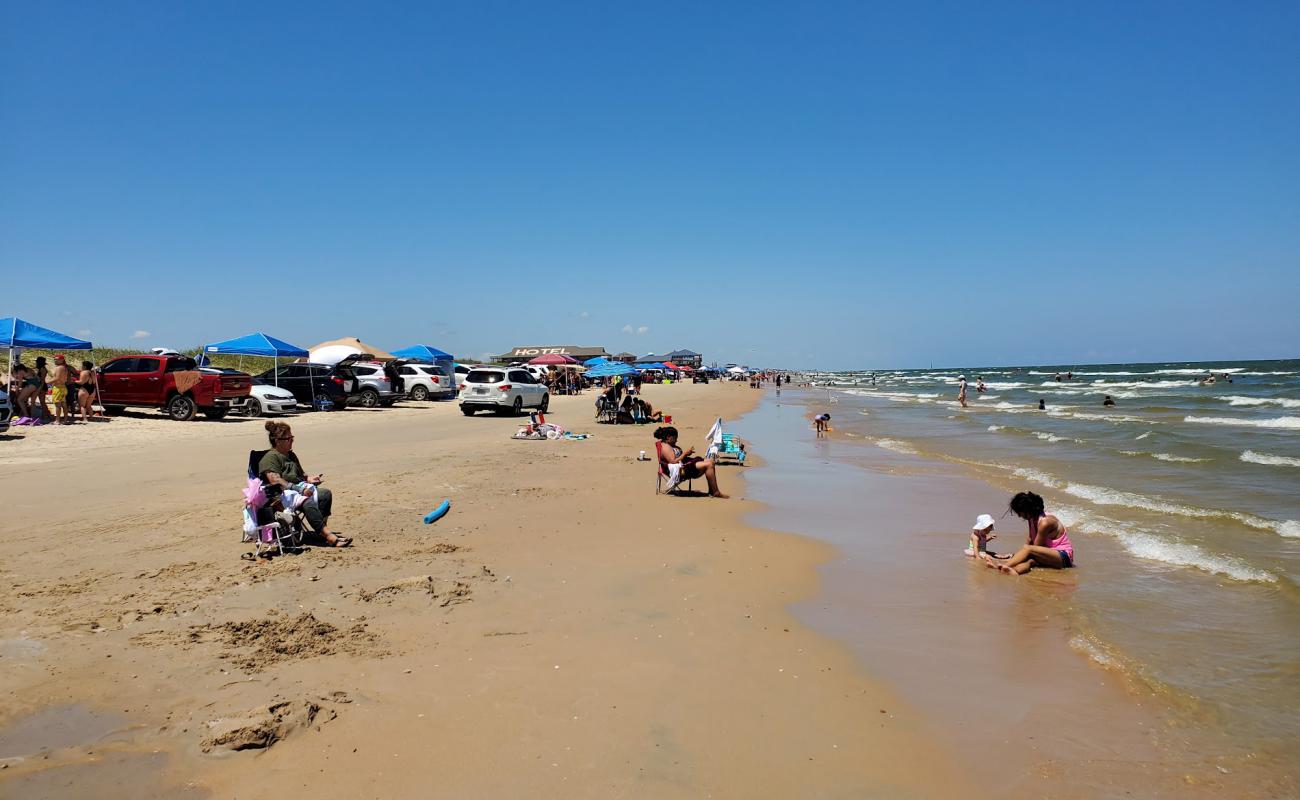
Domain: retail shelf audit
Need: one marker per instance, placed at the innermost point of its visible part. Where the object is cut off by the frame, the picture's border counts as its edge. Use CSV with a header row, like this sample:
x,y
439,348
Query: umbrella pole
x,y
276,370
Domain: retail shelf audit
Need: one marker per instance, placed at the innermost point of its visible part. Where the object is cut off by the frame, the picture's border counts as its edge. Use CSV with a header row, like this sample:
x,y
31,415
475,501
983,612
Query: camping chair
x,y
730,447
606,411
263,528
669,477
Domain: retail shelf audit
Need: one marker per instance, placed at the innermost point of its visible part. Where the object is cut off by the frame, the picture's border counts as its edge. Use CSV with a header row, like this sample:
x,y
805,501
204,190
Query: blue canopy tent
x,y
432,355
259,344
598,360
17,334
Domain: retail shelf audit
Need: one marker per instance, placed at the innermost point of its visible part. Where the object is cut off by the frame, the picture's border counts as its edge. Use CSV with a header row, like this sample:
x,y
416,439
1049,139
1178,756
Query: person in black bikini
x,y
692,466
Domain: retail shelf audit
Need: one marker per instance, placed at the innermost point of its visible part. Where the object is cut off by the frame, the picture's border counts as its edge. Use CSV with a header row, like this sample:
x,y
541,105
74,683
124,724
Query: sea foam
x,y
1105,496
896,446
1272,461
1284,402
1288,423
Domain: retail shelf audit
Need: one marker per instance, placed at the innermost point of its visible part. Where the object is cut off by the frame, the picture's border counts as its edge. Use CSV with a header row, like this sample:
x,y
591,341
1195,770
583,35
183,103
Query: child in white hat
x,y
980,535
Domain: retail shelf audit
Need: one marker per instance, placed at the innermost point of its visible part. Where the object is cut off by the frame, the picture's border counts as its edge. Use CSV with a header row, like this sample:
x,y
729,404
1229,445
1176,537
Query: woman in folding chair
x,y
280,466
689,465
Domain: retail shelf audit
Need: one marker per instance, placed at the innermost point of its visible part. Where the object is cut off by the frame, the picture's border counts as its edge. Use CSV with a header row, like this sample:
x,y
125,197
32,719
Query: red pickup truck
x,y
173,383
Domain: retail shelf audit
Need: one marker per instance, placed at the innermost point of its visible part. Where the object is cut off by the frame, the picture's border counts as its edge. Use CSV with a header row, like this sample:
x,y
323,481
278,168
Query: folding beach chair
x,y
284,529
668,479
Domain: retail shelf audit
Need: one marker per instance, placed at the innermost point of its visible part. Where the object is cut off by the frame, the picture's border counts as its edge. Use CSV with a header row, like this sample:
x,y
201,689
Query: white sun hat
x,y
982,522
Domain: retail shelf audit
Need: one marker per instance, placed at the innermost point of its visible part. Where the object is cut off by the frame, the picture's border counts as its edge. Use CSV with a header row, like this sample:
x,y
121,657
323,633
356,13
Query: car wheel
x,y
368,398
420,393
216,413
545,404
182,408
253,408
467,411
518,407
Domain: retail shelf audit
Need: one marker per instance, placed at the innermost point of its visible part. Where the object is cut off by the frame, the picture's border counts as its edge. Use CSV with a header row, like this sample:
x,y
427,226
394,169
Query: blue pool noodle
x,y
438,513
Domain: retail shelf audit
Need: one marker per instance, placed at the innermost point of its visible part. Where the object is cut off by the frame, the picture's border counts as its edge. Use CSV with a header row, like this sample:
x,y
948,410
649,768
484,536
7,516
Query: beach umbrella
x,y
591,362
553,359
335,350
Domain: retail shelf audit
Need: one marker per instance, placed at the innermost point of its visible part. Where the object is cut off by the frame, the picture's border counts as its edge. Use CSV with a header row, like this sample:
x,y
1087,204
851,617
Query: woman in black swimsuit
x,y
692,466
85,388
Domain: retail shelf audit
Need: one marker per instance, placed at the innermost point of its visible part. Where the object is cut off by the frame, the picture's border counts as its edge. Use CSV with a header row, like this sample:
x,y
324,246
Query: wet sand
x,y
563,632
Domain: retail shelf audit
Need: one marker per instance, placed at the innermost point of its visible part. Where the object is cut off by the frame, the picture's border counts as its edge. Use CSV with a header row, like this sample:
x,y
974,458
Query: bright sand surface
x,y
563,632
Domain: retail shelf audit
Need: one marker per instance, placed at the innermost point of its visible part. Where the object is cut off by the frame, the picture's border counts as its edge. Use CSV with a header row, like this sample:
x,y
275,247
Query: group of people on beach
x,y
42,395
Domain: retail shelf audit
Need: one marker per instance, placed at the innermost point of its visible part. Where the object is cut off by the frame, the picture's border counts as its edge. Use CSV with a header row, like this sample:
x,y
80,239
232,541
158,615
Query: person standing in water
x,y
961,390
1042,404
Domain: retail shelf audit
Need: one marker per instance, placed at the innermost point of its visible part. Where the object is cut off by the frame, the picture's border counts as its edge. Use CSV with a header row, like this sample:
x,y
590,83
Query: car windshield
x,y
484,376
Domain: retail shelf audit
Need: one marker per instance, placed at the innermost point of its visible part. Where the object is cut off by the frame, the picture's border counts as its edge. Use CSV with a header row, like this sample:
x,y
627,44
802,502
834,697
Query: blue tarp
x,y
16,333
422,352
257,344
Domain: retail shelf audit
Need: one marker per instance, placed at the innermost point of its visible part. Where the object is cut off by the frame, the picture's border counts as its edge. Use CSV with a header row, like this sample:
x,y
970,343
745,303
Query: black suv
x,y
309,381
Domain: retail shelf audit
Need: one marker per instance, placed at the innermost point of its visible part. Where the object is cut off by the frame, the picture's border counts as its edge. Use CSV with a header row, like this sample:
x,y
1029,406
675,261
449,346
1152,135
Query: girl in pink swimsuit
x,y
1049,542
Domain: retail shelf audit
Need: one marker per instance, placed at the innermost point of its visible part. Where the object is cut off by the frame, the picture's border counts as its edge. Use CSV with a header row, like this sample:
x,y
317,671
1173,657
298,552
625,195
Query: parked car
x,y
268,399
503,390
423,381
172,383
6,412
306,382
461,371
699,377
373,386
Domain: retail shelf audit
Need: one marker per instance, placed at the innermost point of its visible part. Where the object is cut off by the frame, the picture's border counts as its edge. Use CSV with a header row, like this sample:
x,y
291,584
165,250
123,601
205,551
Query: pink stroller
x,y
264,525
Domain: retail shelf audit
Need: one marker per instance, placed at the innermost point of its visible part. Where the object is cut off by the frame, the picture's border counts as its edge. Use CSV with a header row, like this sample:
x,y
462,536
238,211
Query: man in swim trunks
x,y
59,380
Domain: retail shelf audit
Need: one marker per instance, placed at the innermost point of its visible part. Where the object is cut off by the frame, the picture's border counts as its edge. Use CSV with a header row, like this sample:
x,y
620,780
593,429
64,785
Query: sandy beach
x,y
563,632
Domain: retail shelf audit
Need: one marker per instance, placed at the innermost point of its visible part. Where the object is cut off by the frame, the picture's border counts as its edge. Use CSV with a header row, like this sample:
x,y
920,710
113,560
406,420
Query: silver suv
x,y
505,390
373,386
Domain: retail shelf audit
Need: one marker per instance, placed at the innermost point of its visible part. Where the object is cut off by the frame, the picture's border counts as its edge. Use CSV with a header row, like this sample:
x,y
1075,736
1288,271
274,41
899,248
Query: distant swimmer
x,y
822,423
1042,404
1108,402
1069,376
979,386
1057,377
1208,380
961,391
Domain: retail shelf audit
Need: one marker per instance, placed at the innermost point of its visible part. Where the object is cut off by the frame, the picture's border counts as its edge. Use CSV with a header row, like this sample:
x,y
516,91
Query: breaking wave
x,y
1272,461
1288,423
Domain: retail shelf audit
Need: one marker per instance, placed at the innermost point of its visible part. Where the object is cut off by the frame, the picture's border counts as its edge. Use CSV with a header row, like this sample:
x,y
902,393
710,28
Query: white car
x,y
268,399
423,381
505,390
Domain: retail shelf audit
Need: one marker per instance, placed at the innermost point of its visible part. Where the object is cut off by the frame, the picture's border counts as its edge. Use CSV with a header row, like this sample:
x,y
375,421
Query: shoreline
x,y
1089,729
570,641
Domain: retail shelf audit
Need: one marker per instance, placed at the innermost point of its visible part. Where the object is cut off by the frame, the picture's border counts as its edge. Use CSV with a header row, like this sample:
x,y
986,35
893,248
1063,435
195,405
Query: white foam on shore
x,y
1286,423
896,446
996,428
1143,436
1165,456
1152,546
1105,496
1285,402
1273,461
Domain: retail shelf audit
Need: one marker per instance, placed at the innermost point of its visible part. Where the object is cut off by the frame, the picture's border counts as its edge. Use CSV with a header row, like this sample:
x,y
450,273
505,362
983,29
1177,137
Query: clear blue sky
x,y
787,184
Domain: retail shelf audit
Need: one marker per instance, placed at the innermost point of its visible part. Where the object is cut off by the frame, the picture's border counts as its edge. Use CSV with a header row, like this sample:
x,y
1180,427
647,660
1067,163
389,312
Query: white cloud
x,y
628,329
643,330
584,314
141,335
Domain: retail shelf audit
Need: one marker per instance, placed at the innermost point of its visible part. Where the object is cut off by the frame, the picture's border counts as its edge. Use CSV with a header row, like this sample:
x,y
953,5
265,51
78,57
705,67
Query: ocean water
x,y
1183,501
